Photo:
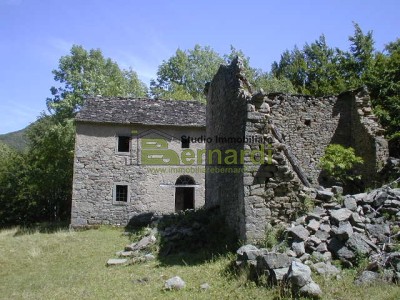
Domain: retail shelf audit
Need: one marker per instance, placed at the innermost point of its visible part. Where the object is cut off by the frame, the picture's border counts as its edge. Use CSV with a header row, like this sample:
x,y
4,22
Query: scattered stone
x,y
318,256
337,190
355,218
116,261
360,197
299,274
344,231
174,283
290,253
313,225
366,277
273,260
340,215
325,269
299,232
245,248
322,235
324,195
279,274
325,227
205,286
142,244
380,198
319,211
322,247
125,253
304,257
149,257
350,203
298,248
311,289
360,243
379,231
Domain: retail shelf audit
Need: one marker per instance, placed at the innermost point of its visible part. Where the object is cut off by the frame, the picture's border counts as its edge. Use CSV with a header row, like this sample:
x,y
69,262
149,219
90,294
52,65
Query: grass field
x,y
64,264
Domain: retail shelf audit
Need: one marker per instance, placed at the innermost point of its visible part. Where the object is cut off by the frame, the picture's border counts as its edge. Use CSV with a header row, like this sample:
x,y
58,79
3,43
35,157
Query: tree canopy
x,y
85,74
184,75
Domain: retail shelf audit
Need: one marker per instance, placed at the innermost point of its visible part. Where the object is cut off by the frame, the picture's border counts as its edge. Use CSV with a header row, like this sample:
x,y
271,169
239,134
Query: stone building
x,y
293,132
126,153
250,154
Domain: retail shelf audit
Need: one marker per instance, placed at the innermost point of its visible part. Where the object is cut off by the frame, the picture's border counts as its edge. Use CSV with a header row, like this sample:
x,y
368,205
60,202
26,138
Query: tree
x,y
383,81
318,69
271,84
186,73
292,66
40,181
87,74
362,52
50,160
13,207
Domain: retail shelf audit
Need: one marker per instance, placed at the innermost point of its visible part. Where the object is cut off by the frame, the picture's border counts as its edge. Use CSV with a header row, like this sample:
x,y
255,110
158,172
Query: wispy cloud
x,y
144,58
60,45
145,68
18,115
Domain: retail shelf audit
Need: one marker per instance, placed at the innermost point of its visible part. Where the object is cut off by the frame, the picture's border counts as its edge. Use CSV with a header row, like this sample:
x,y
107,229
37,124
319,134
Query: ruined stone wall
x,y
98,167
309,124
258,193
271,189
226,118
296,129
367,136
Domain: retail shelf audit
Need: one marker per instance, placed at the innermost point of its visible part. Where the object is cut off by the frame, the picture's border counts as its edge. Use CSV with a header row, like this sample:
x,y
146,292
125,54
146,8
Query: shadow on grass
x,y
41,228
190,237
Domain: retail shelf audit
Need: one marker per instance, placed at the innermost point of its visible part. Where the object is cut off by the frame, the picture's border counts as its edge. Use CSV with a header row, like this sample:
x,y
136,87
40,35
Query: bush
x,y
338,162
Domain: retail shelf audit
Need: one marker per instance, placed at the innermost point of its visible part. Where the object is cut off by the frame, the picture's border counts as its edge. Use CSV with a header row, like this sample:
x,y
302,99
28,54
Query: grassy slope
x,y
71,265
15,139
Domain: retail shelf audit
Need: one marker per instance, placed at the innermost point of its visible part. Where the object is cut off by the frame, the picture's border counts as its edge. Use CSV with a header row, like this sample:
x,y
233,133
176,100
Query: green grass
x,y
62,264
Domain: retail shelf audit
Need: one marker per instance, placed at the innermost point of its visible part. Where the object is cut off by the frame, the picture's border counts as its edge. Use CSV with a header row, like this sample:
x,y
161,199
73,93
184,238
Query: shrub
x,y
339,163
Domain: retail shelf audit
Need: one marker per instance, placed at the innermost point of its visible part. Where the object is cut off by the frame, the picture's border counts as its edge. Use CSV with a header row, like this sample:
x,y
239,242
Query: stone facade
x,y
294,131
99,168
261,151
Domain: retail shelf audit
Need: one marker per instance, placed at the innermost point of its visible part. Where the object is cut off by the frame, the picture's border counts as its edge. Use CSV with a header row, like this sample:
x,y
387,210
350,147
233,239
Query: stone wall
x,y
226,118
296,129
257,193
309,124
367,137
98,167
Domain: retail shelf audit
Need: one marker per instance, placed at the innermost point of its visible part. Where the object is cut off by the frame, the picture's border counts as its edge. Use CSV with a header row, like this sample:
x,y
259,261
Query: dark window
x,y
123,143
185,143
121,193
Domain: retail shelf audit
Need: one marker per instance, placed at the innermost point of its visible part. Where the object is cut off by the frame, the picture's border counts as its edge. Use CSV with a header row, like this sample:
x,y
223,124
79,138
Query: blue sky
x,y
34,34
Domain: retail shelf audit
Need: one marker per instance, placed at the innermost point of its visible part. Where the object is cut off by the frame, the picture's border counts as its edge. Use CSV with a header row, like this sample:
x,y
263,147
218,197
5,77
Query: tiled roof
x,y
143,111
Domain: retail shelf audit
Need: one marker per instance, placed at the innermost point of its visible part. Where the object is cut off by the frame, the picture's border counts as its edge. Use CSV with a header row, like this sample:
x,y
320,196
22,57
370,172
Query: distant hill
x,y
15,139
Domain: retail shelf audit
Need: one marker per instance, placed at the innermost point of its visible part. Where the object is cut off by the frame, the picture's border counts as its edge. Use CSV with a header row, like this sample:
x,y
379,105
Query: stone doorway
x,y
184,193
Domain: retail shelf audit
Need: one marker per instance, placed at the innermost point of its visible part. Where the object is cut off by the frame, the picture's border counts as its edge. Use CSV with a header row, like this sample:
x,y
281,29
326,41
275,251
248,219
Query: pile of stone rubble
x,y
136,252
362,226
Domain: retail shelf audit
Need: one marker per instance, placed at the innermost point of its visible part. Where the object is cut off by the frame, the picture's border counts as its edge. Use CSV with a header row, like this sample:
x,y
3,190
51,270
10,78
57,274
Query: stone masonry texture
x,y
296,129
